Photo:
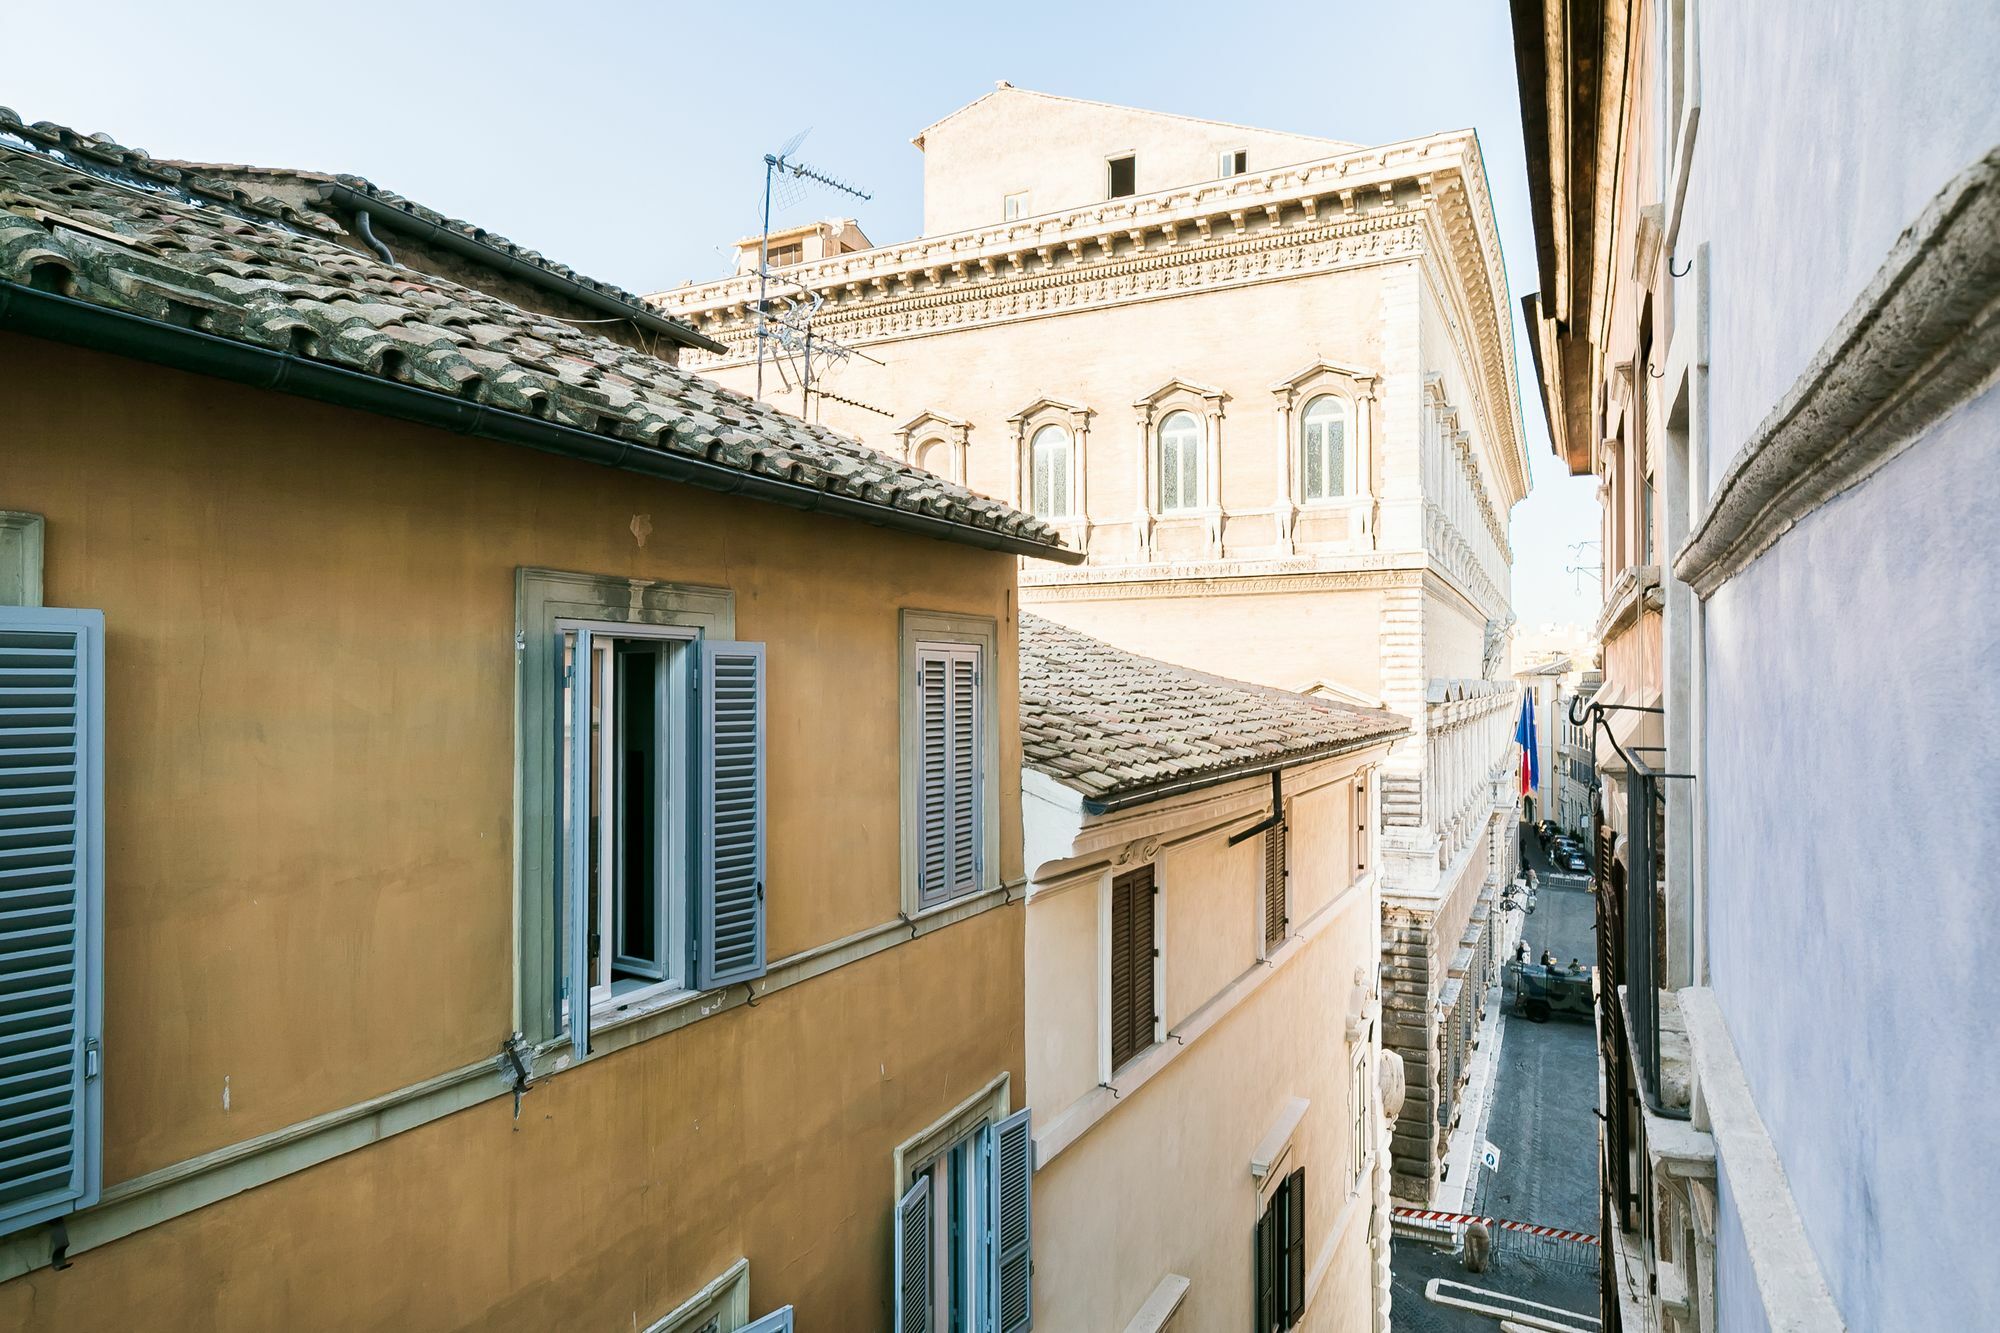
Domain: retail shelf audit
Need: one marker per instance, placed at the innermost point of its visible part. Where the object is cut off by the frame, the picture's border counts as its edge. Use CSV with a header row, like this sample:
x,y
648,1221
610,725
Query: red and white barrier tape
x,y
1553,1233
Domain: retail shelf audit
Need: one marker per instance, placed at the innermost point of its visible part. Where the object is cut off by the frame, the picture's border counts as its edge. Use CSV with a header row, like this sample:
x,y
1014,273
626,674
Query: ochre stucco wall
x,y
310,775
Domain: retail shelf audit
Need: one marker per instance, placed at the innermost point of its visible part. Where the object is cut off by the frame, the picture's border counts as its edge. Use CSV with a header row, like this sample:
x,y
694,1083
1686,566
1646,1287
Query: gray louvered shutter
x,y
965,830
730,815
51,911
778,1321
1013,1225
1270,1303
913,1259
934,776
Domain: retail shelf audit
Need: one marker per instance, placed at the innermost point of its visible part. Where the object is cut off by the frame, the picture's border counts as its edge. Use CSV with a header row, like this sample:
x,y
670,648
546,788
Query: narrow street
x,y
1542,1118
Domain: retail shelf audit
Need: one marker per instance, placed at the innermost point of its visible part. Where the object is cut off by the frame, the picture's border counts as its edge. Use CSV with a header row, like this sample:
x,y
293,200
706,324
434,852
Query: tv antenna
x,y
1578,567
782,168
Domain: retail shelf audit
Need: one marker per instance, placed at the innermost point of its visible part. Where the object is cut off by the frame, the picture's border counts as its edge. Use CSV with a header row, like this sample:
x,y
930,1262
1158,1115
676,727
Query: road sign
x,y
1489,1156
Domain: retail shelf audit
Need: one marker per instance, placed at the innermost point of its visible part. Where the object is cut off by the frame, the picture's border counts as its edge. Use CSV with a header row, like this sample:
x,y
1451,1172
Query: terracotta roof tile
x,y
1109,723
107,226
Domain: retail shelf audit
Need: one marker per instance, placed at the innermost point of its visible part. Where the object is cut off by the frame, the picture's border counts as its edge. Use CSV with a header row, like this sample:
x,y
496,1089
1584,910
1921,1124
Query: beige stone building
x,y
1266,382
1202,877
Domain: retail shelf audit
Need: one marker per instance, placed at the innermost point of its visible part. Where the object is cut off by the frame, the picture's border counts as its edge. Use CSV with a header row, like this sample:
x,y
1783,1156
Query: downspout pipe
x,y
457,242
65,319
366,231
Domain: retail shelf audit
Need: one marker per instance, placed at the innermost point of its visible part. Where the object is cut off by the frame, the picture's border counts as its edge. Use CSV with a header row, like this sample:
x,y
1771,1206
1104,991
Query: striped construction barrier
x,y
1493,1224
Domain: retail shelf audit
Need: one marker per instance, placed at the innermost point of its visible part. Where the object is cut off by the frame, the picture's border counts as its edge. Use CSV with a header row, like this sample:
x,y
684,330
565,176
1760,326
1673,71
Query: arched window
x,y
1049,455
1323,449
935,457
1180,462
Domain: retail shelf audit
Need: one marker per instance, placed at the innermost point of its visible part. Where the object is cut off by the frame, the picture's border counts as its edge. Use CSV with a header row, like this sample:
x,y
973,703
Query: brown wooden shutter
x,y
1295,1247
1133,1015
1275,903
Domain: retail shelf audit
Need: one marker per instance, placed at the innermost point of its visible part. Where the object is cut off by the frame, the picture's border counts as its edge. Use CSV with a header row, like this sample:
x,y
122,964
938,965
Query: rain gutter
x,y
65,319
1127,799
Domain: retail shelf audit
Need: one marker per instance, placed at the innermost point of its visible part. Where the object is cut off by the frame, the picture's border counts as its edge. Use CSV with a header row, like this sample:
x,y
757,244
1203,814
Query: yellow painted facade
x,y
310,893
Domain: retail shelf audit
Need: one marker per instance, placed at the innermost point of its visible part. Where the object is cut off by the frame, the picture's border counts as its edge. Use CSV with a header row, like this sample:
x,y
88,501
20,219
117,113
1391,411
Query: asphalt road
x,y
1543,1120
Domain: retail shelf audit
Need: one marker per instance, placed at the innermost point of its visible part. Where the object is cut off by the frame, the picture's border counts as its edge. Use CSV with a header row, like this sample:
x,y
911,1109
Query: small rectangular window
x,y
1281,1256
1134,1007
1014,206
1358,1102
962,1233
1235,161
1124,177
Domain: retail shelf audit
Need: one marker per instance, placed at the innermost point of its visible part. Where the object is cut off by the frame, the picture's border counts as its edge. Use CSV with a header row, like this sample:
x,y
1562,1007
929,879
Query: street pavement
x,y
1543,1121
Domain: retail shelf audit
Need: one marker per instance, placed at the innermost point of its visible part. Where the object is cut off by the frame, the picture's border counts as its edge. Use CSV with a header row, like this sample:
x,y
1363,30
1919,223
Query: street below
x,y
1542,1118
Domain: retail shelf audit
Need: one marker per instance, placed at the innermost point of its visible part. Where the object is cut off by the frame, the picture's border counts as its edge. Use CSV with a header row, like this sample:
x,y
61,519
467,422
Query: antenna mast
x,y
776,167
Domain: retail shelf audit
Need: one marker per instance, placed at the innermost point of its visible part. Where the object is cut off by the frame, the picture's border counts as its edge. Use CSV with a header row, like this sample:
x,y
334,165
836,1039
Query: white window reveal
x,y
663,814
950,802
1180,462
51,911
1051,455
1323,448
1014,206
963,1236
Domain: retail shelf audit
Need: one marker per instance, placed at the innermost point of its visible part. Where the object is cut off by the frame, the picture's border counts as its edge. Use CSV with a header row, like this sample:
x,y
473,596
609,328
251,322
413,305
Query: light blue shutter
x,y
51,911
913,1259
730,815
576,844
1011,1253
778,1321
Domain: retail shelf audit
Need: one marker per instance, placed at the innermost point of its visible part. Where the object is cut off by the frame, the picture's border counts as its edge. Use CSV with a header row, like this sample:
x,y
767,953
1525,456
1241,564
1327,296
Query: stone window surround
x,y
934,427
1075,418
1206,404
1354,386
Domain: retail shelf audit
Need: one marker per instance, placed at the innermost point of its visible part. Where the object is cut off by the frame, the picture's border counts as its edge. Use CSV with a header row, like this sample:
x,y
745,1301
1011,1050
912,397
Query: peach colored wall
x,y
1055,148
310,716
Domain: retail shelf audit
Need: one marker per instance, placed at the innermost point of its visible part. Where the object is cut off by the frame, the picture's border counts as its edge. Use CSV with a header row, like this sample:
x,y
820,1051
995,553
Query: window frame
x,y
622,606
1348,472
1014,206
948,629
1197,442
724,1299
1111,162
1067,474
1109,1063
1228,167
1362,1136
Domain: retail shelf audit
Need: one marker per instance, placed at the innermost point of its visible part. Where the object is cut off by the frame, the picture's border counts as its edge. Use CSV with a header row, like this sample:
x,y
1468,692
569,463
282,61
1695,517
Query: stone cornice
x,y
1355,207
1636,588
1921,339
1348,184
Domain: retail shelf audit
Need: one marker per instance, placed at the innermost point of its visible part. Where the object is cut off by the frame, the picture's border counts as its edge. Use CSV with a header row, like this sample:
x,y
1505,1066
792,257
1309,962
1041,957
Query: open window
x,y
1234,162
963,1231
662,797
1122,177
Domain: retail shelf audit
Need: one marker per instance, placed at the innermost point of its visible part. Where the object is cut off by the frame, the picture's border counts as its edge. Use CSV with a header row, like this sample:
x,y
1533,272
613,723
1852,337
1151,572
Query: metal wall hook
x,y
1679,272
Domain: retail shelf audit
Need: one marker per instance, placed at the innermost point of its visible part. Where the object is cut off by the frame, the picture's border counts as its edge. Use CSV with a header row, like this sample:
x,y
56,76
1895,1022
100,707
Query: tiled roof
x,y
100,225
222,174
1119,727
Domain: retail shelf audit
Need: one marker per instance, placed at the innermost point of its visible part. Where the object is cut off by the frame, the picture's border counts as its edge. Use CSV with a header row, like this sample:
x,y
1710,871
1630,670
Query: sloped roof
x,y
87,223
1122,729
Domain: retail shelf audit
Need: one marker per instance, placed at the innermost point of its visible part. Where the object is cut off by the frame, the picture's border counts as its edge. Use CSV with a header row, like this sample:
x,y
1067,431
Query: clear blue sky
x,y
625,139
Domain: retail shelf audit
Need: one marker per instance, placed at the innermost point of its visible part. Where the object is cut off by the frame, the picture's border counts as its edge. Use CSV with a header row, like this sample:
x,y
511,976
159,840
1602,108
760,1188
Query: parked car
x,y
1572,860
